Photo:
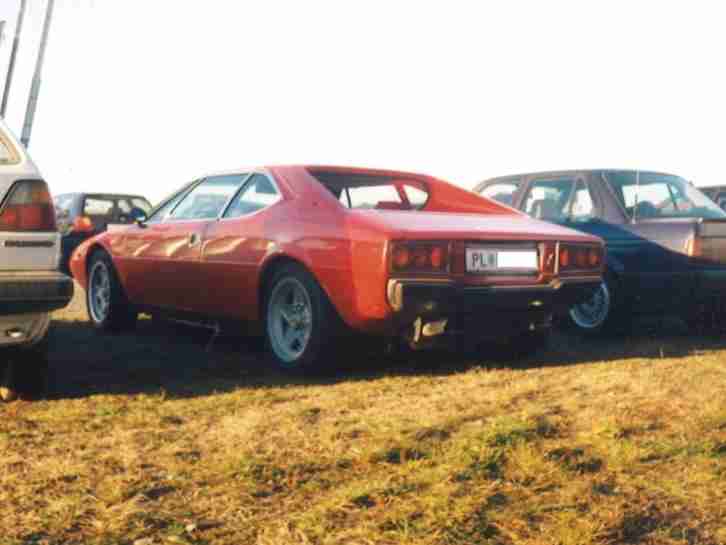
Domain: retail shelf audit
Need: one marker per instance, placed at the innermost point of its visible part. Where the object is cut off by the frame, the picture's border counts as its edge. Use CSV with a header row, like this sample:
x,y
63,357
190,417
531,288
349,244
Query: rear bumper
x,y
486,311
34,292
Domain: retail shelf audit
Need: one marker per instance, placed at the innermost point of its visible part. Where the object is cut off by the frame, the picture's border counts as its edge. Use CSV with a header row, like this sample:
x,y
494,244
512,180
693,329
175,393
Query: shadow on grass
x,y
178,361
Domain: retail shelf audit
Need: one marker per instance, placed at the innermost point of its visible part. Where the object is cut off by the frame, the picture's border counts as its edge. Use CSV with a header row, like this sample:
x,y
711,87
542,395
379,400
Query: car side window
x,y
207,199
258,193
549,199
582,207
502,192
416,196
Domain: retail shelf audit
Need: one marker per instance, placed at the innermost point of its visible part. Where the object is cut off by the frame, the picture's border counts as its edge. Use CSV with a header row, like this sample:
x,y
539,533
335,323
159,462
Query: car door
x,y
654,263
163,256
235,246
139,249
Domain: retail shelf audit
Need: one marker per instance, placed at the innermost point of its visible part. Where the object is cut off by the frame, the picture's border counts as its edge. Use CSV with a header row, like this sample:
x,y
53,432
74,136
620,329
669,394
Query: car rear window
x,y
373,192
98,207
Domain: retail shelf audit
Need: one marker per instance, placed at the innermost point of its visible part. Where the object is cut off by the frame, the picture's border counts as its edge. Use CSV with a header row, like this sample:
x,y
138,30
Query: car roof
x,y
572,172
313,167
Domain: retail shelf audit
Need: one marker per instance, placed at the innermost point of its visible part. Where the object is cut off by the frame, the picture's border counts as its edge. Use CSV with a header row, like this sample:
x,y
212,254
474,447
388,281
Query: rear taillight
x,y
419,257
580,257
82,224
28,207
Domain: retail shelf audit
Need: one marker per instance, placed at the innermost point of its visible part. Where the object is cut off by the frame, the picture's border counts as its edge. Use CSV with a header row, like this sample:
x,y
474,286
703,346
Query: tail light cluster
x,y
82,224
28,207
419,257
580,257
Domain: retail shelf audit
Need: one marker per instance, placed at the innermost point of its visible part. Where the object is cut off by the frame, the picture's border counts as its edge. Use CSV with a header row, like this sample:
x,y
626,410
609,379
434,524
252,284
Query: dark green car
x,y
665,240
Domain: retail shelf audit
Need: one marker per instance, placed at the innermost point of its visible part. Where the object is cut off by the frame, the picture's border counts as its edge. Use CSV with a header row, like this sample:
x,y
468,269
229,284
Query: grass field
x,y
151,438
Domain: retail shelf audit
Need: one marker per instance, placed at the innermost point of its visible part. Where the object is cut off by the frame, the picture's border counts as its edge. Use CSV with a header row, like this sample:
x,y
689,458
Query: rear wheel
x,y
599,314
108,308
300,322
25,373
8,388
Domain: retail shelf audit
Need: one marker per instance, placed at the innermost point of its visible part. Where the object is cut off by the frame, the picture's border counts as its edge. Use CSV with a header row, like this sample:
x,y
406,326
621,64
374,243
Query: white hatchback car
x,y
30,284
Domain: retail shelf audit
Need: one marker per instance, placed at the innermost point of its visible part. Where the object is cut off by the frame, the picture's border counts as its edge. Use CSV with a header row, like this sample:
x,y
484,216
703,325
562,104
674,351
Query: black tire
x,y
616,319
317,354
8,387
25,373
119,315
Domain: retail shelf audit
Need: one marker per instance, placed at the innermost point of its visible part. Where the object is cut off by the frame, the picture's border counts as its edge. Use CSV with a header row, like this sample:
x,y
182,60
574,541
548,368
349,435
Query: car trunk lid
x,y
472,227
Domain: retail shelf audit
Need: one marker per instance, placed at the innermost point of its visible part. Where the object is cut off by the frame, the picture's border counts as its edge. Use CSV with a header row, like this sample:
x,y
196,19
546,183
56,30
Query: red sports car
x,y
311,253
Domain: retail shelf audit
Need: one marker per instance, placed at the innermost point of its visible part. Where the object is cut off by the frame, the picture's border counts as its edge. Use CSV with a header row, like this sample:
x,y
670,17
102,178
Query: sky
x,y
142,97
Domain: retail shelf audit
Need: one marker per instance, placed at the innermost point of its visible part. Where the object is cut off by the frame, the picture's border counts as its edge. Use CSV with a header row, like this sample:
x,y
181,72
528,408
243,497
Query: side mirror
x,y
137,216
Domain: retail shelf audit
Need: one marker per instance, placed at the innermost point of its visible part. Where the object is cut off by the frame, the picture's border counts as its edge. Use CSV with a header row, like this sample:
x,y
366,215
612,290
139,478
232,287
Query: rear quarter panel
x,y
346,257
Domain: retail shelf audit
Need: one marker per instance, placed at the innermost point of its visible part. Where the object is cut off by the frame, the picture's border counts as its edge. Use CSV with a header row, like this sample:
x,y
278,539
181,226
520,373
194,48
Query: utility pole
x,y
13,54
35,86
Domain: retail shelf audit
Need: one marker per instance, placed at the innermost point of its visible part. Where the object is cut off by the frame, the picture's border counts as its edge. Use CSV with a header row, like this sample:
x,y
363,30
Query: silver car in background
x,y
30,284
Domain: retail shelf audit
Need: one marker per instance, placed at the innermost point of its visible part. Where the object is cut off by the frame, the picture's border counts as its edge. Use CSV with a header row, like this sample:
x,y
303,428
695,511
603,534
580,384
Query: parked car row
x,y
313,254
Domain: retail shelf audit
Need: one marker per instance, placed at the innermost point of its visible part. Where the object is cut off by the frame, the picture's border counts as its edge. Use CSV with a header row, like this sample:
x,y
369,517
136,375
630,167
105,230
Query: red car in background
x,y
313,253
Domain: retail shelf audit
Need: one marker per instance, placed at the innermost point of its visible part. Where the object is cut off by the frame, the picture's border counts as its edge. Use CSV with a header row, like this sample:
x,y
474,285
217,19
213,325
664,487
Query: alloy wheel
x,y
289,320
99,292
592,313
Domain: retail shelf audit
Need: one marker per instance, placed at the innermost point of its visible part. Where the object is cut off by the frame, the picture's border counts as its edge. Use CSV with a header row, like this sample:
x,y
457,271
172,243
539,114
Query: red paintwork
x,y
346,250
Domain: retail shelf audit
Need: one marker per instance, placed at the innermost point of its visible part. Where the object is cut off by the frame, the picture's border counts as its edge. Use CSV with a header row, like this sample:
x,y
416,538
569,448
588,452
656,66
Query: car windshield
x,y
650,195
374,192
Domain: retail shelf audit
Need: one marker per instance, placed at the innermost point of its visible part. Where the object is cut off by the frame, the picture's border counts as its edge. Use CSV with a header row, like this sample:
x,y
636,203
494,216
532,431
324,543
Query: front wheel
x,y
300,322
108,308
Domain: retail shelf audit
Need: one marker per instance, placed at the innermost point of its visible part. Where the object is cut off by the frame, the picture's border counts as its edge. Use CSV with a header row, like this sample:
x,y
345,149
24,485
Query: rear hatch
x,y
29,240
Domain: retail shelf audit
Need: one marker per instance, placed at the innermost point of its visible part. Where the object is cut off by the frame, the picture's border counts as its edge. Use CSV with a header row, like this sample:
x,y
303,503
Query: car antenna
x,y
637,190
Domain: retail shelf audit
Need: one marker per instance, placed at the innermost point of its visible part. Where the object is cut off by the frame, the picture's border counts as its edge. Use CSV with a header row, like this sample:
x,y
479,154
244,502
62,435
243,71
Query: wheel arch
x,y
267,272
79,271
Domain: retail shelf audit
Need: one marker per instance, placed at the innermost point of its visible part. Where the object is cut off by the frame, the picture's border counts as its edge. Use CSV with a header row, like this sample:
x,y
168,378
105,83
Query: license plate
x,y
485,259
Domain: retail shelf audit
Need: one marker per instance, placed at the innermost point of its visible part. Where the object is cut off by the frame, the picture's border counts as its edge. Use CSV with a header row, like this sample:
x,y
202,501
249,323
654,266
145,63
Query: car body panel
x,y
346,250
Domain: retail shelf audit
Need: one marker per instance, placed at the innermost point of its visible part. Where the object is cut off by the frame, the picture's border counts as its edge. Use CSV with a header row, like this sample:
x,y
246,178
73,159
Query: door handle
x,y
194,239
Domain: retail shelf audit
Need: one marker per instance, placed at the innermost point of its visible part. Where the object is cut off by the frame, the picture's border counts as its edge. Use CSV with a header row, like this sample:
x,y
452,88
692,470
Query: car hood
x,y
438,225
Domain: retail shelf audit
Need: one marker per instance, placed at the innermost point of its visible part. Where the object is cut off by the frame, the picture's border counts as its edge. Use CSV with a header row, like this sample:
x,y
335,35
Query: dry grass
x,y
149,436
